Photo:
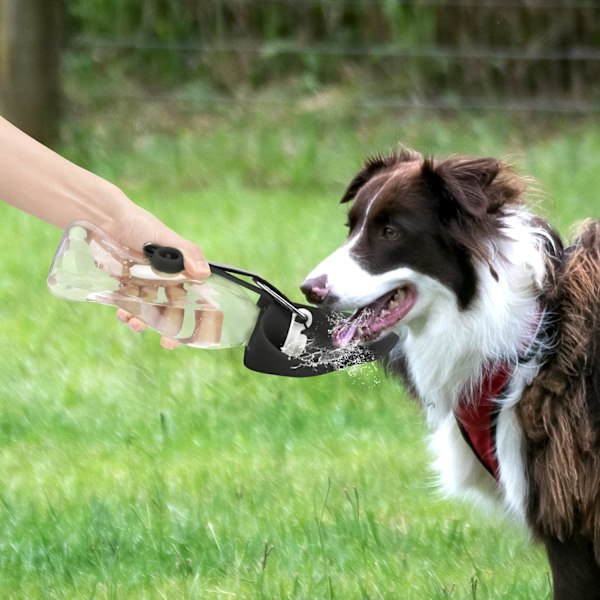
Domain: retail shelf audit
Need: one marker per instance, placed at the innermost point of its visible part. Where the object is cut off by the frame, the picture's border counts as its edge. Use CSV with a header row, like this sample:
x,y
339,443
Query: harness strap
x,y
478,410
477,418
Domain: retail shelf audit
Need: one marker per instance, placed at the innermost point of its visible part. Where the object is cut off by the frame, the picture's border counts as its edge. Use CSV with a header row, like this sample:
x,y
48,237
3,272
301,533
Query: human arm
x,y
42,183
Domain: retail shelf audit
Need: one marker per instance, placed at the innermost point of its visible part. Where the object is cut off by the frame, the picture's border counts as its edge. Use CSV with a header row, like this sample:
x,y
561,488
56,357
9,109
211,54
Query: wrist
x,y
114,211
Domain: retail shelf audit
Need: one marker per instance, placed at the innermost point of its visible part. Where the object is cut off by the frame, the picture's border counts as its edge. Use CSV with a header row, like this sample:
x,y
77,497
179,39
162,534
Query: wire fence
x,y
517,55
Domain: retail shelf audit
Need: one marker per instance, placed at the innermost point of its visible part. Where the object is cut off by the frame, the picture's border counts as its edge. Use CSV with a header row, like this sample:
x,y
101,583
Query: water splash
x,y
321,352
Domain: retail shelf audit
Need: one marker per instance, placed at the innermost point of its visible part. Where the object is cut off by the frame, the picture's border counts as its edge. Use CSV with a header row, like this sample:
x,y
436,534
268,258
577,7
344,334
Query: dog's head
x,y
417,228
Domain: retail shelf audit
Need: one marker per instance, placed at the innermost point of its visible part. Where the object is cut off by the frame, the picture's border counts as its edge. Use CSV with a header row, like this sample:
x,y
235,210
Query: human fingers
x,y
132,322
169,343
147,228
138,326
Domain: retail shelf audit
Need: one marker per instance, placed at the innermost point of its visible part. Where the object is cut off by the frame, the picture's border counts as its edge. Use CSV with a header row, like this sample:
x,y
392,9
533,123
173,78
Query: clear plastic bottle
x,y
208,313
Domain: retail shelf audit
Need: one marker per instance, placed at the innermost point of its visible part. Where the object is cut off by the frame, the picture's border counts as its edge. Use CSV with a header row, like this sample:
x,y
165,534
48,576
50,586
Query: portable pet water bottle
x,y
280,337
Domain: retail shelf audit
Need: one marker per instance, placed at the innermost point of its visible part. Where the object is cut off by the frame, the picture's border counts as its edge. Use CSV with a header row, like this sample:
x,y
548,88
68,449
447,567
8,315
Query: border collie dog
x,y
499,338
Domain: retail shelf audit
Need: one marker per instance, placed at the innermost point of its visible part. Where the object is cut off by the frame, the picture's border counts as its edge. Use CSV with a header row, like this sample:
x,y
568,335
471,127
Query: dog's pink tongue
x,y
343,334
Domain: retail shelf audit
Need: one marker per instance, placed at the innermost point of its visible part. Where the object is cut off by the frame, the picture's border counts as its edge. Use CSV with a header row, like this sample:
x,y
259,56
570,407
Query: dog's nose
x,y
315,289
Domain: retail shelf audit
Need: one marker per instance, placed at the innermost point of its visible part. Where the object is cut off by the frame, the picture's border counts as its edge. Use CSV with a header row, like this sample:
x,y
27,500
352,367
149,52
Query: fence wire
x,y
273,48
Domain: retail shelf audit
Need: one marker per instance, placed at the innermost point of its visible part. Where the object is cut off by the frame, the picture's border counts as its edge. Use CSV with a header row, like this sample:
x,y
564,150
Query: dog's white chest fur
x,y
447,350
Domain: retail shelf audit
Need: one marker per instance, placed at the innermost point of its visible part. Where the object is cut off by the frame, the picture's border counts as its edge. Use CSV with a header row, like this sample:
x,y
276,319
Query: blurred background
x,y
63,60
130,472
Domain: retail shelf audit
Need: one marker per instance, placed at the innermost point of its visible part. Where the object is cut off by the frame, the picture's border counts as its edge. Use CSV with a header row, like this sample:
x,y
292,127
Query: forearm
x,y
38,181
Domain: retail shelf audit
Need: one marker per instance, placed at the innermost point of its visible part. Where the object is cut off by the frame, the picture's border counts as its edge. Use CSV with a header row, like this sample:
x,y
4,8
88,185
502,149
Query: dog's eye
x,y
390,233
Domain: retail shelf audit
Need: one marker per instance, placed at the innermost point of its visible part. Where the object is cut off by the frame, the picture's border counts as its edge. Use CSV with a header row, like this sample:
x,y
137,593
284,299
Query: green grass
x,y
130,472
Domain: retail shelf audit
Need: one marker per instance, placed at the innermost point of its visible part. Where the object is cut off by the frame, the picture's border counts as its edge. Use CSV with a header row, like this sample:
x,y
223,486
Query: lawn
x,y
130,472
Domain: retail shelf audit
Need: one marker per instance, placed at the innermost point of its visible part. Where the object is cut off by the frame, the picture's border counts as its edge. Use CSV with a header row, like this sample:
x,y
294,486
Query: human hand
x,y
137,227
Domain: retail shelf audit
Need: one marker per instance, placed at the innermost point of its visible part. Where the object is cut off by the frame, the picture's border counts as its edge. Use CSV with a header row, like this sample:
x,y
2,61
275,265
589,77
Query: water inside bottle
x,y
206,313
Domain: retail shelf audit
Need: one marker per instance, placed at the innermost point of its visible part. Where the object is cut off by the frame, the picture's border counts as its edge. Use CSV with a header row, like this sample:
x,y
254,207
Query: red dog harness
x,y
477,411
477,416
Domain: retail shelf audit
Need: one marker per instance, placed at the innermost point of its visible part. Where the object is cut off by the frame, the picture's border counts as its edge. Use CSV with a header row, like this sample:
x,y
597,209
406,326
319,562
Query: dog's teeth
x,y
396,300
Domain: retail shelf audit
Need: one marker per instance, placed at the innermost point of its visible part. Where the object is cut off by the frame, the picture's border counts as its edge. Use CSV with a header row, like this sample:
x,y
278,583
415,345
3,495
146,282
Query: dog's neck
x,y
447,351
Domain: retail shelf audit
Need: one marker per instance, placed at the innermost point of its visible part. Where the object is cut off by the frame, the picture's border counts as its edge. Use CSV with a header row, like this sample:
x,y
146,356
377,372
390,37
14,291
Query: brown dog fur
x,y
560,412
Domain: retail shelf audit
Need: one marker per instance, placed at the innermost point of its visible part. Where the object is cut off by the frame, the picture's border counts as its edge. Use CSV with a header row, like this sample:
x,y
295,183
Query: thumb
x,y
139,227
193,259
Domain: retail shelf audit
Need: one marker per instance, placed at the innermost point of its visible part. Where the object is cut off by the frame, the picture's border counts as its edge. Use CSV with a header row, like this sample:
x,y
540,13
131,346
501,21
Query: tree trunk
x,y
29,65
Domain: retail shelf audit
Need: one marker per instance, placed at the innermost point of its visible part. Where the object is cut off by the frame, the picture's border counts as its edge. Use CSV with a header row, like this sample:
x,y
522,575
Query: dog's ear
x,y
463,185
373,166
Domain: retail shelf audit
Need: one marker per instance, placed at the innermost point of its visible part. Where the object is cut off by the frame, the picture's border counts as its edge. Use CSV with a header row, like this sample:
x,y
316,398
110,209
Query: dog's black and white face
x,y
415,229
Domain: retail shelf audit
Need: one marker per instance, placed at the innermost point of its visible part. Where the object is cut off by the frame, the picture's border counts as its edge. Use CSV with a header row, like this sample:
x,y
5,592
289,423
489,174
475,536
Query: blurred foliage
x,y
219,20
437,50
237,41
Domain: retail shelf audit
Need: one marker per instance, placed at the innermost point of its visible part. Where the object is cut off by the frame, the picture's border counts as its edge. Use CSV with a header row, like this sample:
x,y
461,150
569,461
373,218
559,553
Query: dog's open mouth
x,y
367,323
